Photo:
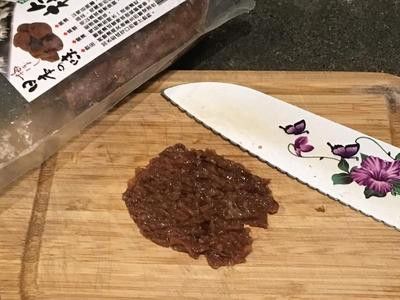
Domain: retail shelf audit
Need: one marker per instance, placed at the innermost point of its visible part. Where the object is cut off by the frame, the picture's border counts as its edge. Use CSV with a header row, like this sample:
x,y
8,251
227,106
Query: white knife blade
x,y
349,166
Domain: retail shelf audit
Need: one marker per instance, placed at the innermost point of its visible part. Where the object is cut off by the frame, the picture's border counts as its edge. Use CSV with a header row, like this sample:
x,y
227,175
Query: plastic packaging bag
x,y
30,132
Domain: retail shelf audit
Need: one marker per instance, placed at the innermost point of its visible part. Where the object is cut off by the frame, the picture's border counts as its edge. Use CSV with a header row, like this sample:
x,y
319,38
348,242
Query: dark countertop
x,y
314,35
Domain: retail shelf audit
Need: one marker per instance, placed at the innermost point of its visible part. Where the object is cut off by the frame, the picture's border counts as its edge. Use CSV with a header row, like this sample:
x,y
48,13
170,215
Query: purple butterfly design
x,y
347,151
296,129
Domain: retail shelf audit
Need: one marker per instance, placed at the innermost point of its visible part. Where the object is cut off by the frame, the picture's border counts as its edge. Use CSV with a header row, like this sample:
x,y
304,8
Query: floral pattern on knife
x,y
378,176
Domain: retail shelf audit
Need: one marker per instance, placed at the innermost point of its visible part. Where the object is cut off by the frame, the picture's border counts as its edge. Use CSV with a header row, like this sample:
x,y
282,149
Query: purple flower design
x,y
377,174
301,145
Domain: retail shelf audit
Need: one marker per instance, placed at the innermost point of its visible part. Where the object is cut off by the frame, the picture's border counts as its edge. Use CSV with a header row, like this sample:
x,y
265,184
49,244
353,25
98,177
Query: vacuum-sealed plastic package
x,y
65,63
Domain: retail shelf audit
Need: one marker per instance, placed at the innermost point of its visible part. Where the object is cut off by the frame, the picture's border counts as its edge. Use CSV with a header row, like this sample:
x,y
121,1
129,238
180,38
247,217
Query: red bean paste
x,y
198,202
39,40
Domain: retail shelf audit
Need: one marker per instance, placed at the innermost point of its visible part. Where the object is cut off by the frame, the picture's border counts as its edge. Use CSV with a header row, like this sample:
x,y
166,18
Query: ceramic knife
x,y
344,164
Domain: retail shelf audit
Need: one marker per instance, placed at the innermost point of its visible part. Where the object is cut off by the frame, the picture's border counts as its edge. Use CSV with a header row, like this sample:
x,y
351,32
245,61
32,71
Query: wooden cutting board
x,y
66,234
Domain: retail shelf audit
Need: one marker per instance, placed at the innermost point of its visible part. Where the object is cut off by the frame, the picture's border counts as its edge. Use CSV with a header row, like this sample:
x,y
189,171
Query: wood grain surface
x,y
66,234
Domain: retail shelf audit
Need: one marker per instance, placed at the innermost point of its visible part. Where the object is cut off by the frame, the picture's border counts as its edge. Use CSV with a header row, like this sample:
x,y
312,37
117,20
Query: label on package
x,y
42,42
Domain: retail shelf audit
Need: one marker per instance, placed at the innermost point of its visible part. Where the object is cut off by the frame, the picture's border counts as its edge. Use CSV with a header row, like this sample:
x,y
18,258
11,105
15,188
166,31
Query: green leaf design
x,y
396,189
344,165
342,178
363,156
370,193
397,157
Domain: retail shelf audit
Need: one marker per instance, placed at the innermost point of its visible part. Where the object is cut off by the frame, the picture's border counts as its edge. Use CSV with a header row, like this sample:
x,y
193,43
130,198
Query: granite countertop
x,y
314,35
